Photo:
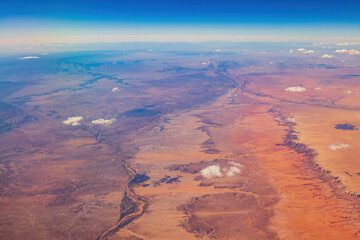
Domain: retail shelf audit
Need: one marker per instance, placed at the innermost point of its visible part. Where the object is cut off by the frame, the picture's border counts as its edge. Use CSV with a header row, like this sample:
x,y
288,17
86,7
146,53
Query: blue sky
x,y
52,19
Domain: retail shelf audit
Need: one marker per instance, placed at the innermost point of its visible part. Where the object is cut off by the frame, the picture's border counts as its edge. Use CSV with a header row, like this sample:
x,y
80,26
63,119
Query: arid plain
x,y
231,143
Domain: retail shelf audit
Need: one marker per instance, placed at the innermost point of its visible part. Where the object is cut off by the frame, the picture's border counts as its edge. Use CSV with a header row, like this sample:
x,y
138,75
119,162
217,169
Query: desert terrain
x,y
207,144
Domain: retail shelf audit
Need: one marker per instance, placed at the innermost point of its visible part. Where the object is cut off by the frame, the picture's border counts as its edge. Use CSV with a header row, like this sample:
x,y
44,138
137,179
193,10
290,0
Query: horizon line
x,y
166,38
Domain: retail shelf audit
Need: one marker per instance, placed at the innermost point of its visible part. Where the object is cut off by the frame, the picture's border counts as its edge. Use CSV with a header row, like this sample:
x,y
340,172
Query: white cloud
x,y
341,51
278,119
295,89
218,50
236,164
351,51
327,56
73,121
102,121
303,50
337,146
233,171
44,54
28,57
347,44
349,92
211,171
115,89
291,119
291,51
205,63
215,170
318,88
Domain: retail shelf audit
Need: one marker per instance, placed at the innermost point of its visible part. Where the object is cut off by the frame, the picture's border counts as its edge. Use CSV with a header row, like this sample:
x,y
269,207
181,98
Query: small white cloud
x,y
205,63
319,43
102,121
337,146
233,171
291,119
44,54
211,171
236,164
351,51
327,56
291,51
295,89
303,50
349,92
115,89
341,51
218,50
28,57
347,44
318,88
73,121
278,119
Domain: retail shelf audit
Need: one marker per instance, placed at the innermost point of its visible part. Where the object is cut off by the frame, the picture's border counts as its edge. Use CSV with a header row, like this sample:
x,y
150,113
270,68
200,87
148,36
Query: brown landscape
x,y
219,145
